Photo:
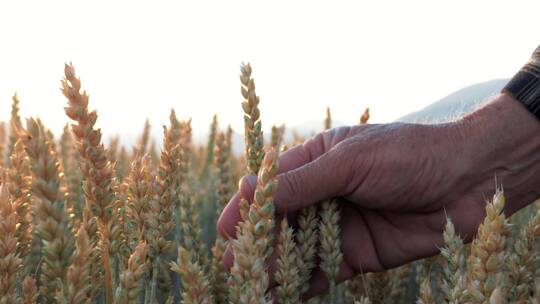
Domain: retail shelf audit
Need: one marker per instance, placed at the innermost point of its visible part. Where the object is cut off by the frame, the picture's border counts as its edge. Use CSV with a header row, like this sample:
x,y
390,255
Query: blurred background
x,y
138,59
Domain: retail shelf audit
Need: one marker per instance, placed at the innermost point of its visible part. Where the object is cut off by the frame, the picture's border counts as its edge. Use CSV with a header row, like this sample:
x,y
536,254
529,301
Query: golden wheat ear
x,y
10,262
252,122
488,253
52,222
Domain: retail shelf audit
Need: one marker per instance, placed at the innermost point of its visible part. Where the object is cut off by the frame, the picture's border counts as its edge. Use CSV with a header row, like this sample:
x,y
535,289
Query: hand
x,y
399,182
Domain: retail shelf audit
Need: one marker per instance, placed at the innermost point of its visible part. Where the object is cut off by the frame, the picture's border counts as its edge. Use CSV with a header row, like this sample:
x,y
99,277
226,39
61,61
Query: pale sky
x,y
138,59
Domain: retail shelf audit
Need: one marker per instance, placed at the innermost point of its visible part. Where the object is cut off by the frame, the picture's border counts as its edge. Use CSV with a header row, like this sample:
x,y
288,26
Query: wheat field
x,y
83,221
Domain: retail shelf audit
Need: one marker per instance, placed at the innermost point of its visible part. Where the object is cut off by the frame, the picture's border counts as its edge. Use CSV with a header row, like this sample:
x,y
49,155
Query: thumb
x,y
323,178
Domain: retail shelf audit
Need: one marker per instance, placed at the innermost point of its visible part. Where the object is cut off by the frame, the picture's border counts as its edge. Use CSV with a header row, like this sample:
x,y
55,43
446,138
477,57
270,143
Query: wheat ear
x,y
287,274
252,122
426,296
73,174
132,279
219,275
144,140
364,118
52,221
454,281
10,262
29,290
329,235
19,185
328,119
488,252
15,126
522,260
249,276
78,274
97,173
306,248
197,287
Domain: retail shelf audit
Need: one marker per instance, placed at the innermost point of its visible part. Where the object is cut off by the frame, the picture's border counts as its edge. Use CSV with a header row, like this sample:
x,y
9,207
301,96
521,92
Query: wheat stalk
x,y
197,289
287,274
132,279
142,145
306,244
276,138
190,229
488,252
328,119
73,174
97,173
78,273
219,275
426,296
19,186
253,246
252,123
15,126
523,260
51,218
139,194
3,143
330,251
364,118
10,261
29,290
454,281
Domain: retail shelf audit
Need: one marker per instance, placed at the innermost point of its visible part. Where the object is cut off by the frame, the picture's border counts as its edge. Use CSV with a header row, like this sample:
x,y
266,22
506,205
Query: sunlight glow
x,y
138,59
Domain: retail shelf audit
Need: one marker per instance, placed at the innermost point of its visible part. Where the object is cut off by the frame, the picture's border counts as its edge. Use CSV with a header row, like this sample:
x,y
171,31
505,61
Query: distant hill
x,y
458,103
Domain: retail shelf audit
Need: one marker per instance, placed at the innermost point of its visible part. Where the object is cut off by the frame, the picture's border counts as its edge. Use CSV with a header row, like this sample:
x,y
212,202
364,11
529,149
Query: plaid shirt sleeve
x,y
525,85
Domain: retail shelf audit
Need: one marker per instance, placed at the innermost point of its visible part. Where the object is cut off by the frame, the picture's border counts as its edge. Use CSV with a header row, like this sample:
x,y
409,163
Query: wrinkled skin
x,y
397,183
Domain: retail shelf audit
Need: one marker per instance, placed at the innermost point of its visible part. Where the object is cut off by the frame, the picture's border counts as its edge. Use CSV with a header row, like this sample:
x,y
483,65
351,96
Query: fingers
x,y
325,177
290,160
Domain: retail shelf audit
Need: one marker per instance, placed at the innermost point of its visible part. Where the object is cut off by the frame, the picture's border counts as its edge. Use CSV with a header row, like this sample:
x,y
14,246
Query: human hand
x,y
399,182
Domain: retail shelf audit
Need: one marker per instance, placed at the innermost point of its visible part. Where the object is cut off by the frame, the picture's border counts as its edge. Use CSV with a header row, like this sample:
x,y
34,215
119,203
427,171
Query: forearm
x,y
502,141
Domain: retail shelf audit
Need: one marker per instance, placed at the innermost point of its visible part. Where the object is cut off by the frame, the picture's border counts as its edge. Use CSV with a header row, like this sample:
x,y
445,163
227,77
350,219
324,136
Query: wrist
x,y
501,143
